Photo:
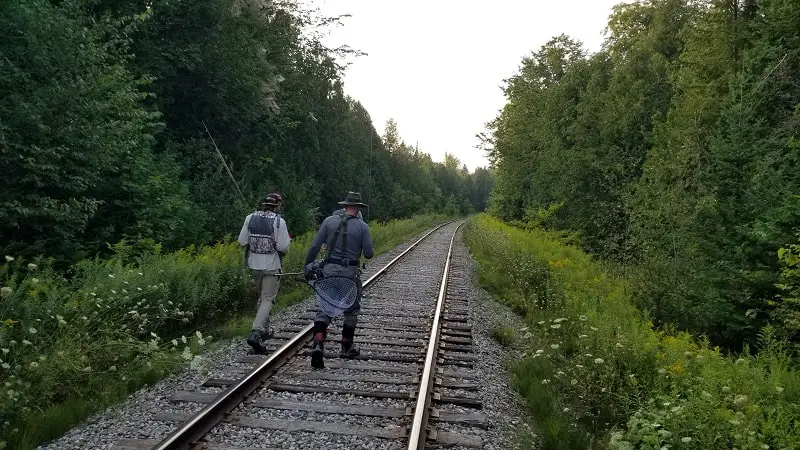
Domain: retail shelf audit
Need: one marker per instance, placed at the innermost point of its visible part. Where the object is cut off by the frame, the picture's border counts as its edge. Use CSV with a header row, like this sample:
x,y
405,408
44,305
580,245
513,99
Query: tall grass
x,y
598,376
69,347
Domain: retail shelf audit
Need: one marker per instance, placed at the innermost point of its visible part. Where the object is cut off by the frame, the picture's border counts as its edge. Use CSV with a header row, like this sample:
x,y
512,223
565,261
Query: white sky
x,y
436,66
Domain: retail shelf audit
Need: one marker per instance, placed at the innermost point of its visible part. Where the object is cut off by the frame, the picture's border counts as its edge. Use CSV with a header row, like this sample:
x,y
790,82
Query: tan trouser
x,y
267,285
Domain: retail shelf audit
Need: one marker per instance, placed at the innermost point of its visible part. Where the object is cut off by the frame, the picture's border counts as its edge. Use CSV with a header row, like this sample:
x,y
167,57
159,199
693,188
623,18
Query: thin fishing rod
x,y
226,165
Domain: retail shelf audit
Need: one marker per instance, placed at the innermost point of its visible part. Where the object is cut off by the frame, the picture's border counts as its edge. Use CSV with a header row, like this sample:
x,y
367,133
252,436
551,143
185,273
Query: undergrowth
x,y
69,347
597,375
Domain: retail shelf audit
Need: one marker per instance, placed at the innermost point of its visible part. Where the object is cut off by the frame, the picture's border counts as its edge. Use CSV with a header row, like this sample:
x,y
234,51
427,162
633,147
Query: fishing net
x,y
335,294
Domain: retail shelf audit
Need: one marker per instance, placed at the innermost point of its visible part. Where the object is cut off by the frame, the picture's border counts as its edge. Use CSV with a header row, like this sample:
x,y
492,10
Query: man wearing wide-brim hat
x,y
347,238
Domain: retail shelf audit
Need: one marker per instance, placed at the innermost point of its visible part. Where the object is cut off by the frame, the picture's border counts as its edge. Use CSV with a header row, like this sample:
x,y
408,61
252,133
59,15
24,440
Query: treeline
x,y
104,106
673,150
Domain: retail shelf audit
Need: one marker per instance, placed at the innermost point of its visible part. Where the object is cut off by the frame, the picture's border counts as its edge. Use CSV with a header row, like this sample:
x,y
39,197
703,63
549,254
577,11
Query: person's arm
x,y
366,243
316,244
282,239
244,235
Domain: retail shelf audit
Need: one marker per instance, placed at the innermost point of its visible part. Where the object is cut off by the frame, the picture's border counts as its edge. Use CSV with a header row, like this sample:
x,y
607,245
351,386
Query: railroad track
x,y
411,387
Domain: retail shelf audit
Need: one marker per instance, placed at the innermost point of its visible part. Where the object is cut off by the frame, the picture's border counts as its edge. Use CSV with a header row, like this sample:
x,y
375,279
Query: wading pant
x,y
267,285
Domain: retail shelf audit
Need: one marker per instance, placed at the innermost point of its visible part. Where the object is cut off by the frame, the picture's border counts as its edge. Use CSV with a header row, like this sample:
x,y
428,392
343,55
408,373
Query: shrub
x,y
598,375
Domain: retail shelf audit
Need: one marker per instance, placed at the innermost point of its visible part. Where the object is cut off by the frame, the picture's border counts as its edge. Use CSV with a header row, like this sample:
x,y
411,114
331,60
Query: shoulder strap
x,y
340,230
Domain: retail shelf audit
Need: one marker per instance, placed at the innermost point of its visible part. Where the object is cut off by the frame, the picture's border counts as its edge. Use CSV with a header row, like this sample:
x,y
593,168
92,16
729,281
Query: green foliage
x,y
103,112
70,347
598,376
673,150
503,335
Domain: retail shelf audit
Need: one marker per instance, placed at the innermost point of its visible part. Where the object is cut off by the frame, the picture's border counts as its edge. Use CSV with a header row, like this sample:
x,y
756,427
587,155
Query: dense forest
x,y
672,152
116,117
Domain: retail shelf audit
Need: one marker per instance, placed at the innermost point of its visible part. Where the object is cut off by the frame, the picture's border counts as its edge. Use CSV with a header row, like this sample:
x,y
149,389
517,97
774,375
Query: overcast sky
x,y
436,66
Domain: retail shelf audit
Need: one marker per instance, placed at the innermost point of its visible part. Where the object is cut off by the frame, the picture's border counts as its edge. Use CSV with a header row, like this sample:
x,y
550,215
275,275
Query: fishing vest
x,y
262,232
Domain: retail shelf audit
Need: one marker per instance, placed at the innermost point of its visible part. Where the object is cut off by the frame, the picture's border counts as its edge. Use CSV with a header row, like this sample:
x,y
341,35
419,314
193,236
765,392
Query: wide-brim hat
x,y
352,199
278,198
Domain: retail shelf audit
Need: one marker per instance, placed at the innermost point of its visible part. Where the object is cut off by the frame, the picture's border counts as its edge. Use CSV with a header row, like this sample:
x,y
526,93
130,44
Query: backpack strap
x,y
341,230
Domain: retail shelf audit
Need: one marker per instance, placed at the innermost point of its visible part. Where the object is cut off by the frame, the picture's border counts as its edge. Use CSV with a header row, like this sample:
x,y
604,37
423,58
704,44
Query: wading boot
x,y
348,351
318,352
255,341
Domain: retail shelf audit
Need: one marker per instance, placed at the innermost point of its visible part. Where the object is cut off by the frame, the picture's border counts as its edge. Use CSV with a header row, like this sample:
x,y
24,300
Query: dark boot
x,y
348,351
318,352
255,341
267,334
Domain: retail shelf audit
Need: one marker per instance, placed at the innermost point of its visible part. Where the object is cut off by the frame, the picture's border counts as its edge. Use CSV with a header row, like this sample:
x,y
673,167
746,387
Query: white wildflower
x,y
579,366
583,318
556,326
187,354
740,361
31,266
559,320
583,336
554,346
5,366
111,275
566,410
93,294
153,334
183,339
34,280
688,355
198,334
726,389
5,292
141,274
5,350
113,368
593,328
574,382
113,292
560,373
541,322
196,362
779,389
686,439
539,351
662,371
138,289
598,361
201,342
34,365
603,390
620,345
9,258
740,400
545,381
26,342
174,342
87,369
42,358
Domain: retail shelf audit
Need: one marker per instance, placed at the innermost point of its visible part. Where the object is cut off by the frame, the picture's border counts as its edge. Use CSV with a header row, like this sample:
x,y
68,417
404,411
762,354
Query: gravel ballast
x,y
138,416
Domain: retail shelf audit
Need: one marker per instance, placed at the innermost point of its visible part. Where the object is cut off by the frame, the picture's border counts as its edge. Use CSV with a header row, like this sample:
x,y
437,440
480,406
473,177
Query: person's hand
x,y
309,271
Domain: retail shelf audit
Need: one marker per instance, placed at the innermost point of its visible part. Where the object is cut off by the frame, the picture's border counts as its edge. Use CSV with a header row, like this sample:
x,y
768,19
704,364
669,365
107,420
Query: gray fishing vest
x,y
262,232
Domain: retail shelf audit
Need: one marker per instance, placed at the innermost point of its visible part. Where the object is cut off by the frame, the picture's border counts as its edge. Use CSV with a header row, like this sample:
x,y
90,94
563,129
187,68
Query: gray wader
x,y
345,268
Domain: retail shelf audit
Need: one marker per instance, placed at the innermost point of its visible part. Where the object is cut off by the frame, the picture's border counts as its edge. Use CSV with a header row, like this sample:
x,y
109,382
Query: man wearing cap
x,y
266,238
347,238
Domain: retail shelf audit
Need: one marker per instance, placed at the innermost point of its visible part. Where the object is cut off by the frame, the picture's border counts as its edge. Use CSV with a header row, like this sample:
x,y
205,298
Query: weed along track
x,y
412,386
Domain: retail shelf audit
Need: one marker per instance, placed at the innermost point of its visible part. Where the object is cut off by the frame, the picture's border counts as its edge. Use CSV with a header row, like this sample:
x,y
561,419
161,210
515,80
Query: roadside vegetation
x,y
597,374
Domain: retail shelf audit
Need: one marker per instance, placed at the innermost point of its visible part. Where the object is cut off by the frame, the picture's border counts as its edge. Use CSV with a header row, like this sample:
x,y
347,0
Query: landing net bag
x,y
335,294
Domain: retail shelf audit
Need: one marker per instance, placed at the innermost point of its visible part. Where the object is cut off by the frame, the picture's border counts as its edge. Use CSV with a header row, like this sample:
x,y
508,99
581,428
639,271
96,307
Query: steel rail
x,y
419,425
212,414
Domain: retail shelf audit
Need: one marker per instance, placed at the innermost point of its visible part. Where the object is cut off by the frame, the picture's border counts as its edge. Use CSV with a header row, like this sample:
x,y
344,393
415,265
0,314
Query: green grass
x,y
69,348
598,376
503,335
